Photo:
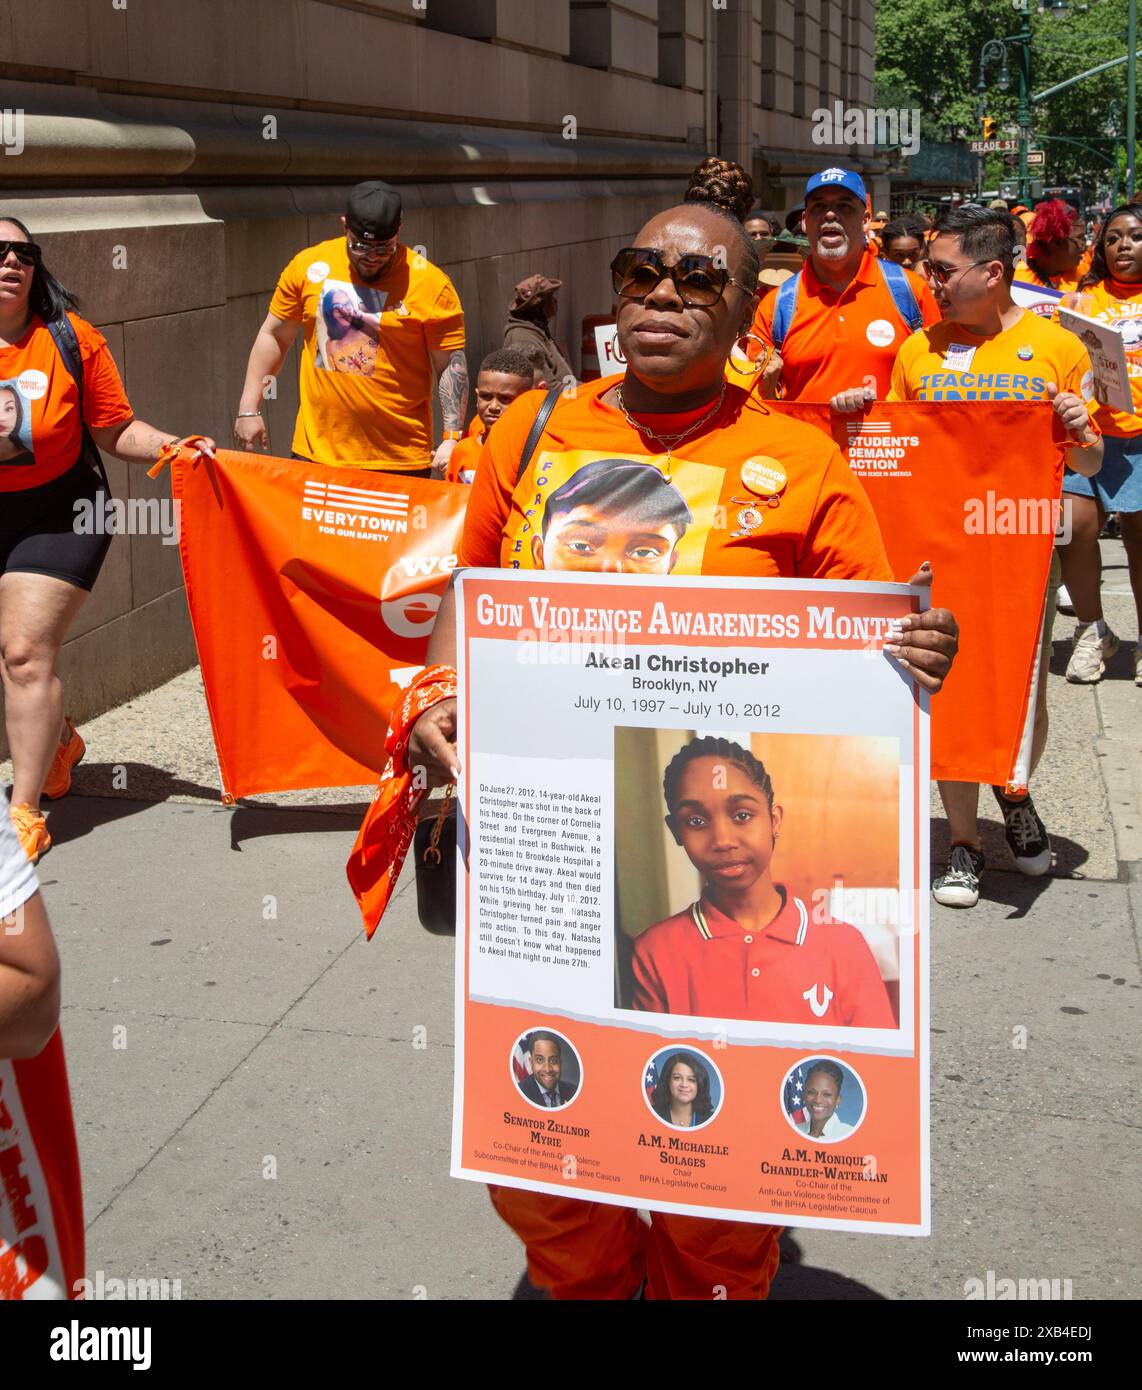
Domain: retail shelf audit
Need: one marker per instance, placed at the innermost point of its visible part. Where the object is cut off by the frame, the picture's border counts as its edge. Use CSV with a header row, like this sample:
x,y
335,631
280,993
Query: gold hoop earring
x,y
740,359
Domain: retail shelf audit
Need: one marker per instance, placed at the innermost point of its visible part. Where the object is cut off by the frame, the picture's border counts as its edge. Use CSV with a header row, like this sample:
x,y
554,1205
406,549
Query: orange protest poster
x,y
974,488
692,916
312,592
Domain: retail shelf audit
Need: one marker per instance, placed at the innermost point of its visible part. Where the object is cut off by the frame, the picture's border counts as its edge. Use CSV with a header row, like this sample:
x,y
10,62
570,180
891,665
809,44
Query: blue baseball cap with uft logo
x,y
847,179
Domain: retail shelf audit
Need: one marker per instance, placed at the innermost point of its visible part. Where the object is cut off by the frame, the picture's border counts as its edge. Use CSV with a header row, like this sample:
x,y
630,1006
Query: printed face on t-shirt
x,y
15,425
617,516
348,327
589,538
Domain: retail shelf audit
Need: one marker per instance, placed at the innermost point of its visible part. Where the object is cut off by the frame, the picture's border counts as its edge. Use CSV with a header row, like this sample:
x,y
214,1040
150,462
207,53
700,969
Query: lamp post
x,y
997,49
1131,86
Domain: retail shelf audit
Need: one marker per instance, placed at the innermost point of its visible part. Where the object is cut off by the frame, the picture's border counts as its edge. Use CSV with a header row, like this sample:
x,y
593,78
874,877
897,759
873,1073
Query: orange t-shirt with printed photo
x,y
836,340
366,374
1119,305
40,427
806,515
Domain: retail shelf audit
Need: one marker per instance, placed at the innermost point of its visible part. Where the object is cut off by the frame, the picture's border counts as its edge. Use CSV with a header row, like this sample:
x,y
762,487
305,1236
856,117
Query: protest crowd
x,y
726,314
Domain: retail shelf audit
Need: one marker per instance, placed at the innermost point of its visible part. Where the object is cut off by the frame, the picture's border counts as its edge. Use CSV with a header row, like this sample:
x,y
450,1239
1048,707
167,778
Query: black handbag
x,y
434,844
434,848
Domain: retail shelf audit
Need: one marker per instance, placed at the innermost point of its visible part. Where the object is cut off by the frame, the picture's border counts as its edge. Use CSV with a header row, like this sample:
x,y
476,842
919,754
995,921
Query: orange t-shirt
x,y
366,374
947,363
1120,306
701,519
836,340
40,428
462,462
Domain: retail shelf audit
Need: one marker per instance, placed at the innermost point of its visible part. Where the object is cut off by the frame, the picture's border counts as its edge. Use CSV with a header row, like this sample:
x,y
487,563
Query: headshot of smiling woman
x,y
681,1095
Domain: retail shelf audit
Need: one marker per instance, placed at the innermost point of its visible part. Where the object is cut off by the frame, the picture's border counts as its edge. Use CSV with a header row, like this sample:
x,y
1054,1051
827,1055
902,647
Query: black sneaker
x,y
958,886
1026,834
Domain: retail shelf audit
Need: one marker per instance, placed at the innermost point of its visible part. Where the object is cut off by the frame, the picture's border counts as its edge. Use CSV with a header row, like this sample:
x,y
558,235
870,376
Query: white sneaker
x,y
1090,654
958,885
1063,601
1138,664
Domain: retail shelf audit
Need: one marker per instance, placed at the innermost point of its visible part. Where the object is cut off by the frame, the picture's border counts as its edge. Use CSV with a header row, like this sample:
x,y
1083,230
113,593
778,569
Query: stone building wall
x,y
177,153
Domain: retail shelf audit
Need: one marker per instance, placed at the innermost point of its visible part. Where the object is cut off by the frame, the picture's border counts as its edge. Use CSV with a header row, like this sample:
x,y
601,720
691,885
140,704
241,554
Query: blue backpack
x,y
894,278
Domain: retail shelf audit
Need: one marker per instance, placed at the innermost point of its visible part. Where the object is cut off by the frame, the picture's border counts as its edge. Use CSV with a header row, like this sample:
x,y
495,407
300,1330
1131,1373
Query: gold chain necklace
x,y
671,441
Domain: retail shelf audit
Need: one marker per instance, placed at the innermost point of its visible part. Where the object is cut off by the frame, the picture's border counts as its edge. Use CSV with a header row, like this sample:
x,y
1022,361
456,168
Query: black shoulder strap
x,y
67,345
535,434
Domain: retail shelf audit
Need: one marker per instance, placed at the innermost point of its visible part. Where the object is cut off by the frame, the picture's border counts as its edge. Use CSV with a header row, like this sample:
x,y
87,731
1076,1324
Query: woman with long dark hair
x,y
48,560
681,1095
1112,293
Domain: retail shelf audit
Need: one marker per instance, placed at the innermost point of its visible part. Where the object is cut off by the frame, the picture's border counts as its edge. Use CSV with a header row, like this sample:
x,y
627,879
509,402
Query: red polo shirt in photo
x,y
795,970
837,340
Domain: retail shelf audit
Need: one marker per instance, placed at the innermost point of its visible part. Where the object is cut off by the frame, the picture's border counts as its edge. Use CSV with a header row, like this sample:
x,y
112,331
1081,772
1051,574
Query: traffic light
x,y
989,124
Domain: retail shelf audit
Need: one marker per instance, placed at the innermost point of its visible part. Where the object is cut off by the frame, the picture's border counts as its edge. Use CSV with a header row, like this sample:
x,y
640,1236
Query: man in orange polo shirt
x,y
379,323
989,348
844,317
766,496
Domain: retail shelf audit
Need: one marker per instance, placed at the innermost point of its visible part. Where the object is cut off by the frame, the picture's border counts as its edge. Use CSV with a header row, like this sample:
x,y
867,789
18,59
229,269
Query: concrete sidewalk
x,y
256,1121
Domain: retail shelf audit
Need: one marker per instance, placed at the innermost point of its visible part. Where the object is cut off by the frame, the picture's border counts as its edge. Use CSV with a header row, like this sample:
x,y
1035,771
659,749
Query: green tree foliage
x,y
928,57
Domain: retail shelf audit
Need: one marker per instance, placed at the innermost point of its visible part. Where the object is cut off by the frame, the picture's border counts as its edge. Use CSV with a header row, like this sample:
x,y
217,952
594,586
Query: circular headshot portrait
x,y
823,1099
682,1087
546,1069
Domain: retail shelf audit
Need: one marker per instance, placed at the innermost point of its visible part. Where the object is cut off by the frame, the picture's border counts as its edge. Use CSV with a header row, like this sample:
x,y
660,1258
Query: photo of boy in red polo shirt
x,y
748,948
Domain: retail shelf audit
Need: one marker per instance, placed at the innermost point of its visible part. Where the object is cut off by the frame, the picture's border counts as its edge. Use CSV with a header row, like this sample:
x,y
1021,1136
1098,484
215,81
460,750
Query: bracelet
x,y
455,435
248,414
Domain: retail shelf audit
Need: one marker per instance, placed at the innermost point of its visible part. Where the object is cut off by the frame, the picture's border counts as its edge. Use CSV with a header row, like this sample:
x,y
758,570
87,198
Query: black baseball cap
x,y
374,210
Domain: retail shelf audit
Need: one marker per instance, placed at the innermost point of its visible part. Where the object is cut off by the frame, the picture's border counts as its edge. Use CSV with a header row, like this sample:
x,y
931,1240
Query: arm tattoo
x,y
453,390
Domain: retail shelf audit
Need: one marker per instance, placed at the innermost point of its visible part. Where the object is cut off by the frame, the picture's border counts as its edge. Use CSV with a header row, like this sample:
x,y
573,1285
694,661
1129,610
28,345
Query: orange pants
x,y
579,1249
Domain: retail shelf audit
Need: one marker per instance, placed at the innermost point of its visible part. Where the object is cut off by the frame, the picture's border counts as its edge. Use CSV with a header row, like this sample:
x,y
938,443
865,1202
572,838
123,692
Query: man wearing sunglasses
x,y
844,317
380,322
988,348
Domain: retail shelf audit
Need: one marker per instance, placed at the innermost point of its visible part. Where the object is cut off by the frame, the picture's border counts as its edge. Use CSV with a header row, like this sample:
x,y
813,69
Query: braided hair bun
x,y
724,184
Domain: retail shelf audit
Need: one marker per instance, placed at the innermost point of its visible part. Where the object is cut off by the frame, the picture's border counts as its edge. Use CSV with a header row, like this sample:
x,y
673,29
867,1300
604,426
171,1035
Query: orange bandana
x,y
390,822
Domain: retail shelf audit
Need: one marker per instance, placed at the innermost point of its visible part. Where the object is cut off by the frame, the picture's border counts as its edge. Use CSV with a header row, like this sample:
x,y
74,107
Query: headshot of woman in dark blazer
x,y
681,1095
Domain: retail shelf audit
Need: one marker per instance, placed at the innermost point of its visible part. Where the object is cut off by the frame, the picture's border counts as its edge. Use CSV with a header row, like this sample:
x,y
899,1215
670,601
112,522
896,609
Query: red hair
x,y
1053,221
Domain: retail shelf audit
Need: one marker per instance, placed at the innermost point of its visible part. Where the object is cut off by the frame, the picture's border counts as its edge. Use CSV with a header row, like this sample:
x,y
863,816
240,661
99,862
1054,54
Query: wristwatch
x,y
452,434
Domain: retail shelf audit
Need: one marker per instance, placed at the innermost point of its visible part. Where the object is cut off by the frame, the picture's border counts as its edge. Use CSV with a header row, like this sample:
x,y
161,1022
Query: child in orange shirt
x,y
504,375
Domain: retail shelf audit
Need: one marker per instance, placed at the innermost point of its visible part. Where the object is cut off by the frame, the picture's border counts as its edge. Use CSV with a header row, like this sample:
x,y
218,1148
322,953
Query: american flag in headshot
x,y
794,1088
650,1080
521,1061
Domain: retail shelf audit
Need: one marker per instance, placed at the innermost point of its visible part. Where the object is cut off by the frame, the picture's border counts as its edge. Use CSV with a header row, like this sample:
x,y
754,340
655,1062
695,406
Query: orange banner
x,y
312,590
973,487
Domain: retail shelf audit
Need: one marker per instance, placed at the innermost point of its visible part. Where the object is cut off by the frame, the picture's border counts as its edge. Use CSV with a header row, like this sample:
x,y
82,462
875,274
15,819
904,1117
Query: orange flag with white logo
x,y
974,488
312,592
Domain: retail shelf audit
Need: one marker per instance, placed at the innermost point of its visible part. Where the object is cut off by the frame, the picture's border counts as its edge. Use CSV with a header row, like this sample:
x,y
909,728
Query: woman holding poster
x,y
767,496
1111,293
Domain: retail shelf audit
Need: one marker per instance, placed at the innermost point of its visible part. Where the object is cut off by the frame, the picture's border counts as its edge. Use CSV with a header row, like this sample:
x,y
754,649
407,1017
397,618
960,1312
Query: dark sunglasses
x,y
636,271
27,252
943,273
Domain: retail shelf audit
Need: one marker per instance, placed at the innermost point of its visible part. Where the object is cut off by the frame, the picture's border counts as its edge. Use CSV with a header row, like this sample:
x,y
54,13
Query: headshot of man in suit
x,y
545,1085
